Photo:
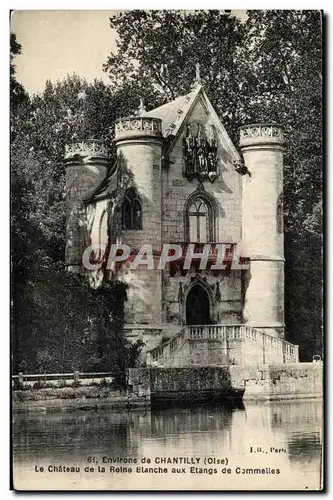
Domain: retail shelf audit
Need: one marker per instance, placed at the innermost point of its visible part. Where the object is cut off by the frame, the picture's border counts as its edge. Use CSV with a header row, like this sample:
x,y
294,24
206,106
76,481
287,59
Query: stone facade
x,y
169,160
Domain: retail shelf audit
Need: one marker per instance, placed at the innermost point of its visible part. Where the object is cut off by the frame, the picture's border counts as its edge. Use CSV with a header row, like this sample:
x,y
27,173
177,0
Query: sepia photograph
x,y
166,204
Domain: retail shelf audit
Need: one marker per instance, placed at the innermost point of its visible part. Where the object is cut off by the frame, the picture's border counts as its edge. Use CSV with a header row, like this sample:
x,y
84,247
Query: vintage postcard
x,y
166,218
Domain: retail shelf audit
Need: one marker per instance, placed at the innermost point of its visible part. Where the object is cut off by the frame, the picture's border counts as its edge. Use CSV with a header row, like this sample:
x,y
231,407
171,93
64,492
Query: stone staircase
x,y
212,345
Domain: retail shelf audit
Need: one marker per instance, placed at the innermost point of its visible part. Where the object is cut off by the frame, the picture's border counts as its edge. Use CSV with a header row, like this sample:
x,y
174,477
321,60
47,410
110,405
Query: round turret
x,y
139,157
86,165
262,148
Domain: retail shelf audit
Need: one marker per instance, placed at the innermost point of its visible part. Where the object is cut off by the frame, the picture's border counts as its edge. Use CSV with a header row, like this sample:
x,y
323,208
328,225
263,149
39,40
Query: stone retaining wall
x,y
285,381
79,398
208,383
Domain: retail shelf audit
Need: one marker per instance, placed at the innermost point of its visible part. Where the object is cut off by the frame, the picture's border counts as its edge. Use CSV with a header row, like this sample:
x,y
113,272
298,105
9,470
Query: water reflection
x,y
305,424
279,435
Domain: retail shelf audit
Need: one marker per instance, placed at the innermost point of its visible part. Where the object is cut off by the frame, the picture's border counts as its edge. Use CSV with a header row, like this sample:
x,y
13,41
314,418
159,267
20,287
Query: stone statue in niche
x,y
202,162
200,154
166,312
189,146
212,155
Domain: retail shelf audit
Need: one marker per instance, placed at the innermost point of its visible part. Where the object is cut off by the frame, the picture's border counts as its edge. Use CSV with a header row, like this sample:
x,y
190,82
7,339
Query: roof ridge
x,y
179,98
174,112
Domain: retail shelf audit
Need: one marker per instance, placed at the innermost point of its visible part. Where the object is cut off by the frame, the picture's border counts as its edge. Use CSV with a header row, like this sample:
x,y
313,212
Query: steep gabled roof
x,y
174,115
174,112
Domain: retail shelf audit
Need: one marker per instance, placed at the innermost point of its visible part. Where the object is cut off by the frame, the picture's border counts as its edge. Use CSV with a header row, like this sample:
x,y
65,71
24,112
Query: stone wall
x,y
200,346
176,189
225,306
140,164
183,384
150,335
74,399
262,148
297,380
226,191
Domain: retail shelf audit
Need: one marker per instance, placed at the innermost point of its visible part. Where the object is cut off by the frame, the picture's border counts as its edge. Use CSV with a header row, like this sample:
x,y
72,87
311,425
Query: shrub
x,y
76,383
61,383
17,385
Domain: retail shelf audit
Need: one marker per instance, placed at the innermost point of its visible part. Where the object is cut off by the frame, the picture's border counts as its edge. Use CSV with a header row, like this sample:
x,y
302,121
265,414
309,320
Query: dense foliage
x,y
59,323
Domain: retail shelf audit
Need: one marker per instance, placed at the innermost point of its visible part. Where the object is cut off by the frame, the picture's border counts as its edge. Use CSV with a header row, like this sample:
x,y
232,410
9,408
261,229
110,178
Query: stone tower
x,y
139,157
86,165
262,148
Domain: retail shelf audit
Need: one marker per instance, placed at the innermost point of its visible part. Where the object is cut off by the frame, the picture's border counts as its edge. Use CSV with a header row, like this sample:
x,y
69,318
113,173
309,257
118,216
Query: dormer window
x,y
131,210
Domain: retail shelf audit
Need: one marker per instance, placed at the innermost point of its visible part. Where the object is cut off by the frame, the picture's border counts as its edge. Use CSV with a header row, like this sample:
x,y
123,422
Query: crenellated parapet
x,y
138,126
89,150
259,135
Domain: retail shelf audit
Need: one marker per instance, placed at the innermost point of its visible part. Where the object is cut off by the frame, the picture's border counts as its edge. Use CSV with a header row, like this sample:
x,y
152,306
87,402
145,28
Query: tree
x,y
18,95
158,52
283,51
284,57
59,323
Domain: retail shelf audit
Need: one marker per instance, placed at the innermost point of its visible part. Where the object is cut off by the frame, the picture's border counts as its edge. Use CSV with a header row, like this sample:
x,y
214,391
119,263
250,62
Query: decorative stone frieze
x,y
261,134
136,126
87,148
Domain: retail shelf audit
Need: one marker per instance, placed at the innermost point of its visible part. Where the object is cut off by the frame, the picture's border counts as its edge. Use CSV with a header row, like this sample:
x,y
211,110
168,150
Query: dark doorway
x,y
197,306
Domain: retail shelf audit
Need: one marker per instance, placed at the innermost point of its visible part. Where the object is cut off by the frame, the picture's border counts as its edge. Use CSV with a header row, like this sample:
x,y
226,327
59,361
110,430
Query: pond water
x,y
216,448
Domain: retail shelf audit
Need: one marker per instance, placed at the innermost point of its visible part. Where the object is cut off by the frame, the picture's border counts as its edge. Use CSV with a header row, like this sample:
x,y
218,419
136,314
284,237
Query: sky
x,y
55,43
59,42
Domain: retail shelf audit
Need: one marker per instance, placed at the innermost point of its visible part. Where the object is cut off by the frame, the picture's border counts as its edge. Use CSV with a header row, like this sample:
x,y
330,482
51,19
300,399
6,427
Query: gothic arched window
x,y
131,210
200,220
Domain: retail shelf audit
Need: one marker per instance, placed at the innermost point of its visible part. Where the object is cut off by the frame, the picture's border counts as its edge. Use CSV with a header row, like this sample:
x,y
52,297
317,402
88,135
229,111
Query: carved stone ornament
x,y
180,293
89,147
252,135
261,131
200,155
125,127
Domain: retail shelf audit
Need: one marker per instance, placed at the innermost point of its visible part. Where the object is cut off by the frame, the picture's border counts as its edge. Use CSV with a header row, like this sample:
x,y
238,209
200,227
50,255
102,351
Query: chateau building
x,y
180,179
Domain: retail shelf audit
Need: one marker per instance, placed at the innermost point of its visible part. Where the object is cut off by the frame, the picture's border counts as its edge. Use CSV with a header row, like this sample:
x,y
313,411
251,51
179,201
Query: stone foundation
x,y
258,382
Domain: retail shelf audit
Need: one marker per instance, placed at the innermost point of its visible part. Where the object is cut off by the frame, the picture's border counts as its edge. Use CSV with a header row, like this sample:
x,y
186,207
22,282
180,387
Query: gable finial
x,y
141,109
197,81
